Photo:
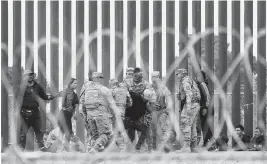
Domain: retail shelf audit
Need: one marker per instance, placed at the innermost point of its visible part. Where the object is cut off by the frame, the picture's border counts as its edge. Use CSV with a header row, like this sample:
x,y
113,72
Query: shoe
x,y
92,151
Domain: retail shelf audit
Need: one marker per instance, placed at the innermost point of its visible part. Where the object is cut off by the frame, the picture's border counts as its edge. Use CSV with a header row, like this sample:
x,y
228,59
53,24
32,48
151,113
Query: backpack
x,y
204,92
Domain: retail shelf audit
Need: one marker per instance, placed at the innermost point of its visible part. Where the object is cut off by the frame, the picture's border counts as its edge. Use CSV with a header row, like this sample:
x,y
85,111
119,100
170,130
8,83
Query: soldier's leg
x,y
194,116
92,133
164,128
104,128
186,128
120,140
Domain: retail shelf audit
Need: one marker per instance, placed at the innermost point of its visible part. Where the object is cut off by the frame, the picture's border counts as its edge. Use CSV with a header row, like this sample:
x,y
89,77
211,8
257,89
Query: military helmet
x,y
97,75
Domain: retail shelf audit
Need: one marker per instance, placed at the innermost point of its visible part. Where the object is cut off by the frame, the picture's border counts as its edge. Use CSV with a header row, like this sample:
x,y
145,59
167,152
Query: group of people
x,y
125,112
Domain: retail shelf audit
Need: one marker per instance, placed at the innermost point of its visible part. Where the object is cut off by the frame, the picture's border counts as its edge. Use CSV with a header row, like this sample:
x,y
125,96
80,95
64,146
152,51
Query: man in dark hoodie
x,y
30,111
243,140
137,117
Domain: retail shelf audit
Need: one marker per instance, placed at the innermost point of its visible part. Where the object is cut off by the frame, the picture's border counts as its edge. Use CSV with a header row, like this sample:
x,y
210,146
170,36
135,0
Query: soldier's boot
x,y
185,149
120,142
101,142
194,147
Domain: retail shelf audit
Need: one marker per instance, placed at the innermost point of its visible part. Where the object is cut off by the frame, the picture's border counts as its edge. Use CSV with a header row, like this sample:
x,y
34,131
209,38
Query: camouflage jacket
x,y
136,88
188,91
160,95
93,95
121,96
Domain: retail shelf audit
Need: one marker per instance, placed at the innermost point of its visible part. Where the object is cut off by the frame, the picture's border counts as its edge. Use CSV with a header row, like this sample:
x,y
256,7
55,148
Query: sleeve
x,y
64,97
82,98
110,99
186,85
204,87
42,93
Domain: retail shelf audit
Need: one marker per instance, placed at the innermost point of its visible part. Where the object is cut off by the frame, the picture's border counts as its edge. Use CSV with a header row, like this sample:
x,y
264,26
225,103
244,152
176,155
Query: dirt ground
x,y
136,158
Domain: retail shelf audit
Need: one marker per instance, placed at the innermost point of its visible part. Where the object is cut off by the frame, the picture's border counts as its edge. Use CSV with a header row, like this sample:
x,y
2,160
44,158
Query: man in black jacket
x,y
30,112
243,140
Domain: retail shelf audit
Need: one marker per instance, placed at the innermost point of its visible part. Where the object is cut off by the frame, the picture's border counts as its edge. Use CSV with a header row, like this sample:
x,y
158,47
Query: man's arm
x,y
81,102
64,98
42,93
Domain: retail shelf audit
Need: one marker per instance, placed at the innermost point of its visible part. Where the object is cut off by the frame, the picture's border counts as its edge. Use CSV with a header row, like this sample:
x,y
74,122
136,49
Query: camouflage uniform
x,y
188,92
129,75
159,103
137,117
122,99
94,102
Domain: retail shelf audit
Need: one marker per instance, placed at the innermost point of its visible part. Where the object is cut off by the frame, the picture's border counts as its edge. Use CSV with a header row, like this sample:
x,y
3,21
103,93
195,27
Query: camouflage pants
x,y
158,129
119,139
99,130
188,125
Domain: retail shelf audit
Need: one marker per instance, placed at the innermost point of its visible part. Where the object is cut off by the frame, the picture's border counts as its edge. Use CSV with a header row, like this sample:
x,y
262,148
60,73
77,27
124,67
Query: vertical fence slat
x,y
16,69
42,56
80,62
119,56
92,28
183,28
29,35
157,58
4,69
170,43
106,42
151,38
125,35
145,41
112,39
99,35
248,76
222,56
196,5
67,39
54,56
209,44
131,32
235,79
261,67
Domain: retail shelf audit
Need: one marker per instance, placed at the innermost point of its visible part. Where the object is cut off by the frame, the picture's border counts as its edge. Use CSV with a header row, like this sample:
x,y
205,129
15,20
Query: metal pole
x,y
261,68
222,56
248,77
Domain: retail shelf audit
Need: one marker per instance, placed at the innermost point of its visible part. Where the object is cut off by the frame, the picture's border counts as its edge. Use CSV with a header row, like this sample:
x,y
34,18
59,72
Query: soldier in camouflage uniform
x,y
189,93
122,99
95,101
159,103
137,117
129,75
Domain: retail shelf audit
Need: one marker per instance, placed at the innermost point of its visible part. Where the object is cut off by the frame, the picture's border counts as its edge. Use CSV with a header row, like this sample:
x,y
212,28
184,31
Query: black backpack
x,y
204,92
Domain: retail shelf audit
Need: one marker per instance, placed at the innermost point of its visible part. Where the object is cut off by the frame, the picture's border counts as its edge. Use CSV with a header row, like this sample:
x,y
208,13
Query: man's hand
x,y
75,116
50,97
